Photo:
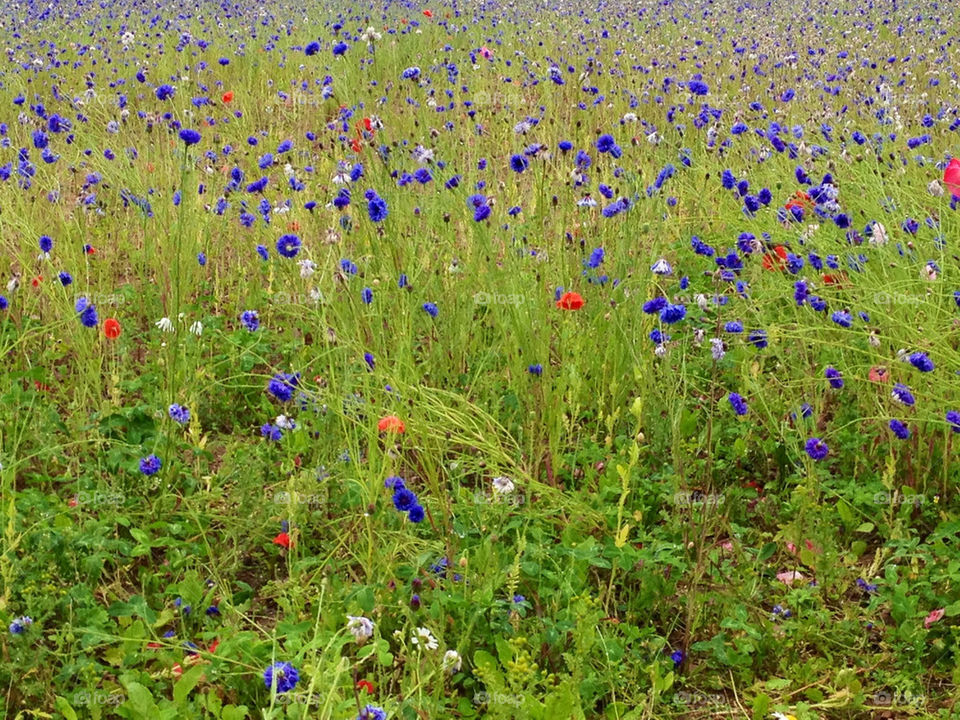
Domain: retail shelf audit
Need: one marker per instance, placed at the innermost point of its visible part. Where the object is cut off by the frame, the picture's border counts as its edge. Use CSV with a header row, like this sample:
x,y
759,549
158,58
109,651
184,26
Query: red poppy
x,y
801,200
111,328
365,685
355,145
37,280
73,502
838,279
228,96
368,126
775,260
213,646
293,226
154,646
570,301
391,423
89,249
951,177
40,386
282,539
428,13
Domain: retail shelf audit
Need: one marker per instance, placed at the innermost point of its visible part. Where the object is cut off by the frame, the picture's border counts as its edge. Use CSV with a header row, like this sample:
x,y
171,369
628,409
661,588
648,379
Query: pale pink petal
x,y
933,617
789,577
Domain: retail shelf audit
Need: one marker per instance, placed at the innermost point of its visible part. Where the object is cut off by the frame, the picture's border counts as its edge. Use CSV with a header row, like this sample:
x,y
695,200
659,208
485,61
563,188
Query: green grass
x,y
646,517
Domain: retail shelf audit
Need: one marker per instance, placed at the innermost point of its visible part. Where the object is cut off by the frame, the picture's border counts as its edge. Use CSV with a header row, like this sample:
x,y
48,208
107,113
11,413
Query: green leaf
x,y
865,527
63,706
761,704
187,683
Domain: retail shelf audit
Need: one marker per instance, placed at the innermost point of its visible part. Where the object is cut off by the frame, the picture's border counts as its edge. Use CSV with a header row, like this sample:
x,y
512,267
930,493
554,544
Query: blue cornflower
x,y
46,243
150,465
404,499
921,362
901,393
283,674
271,432
288,245
518,163
733,326
953,420
816,448
340,48
165,92
377,209
87,312
65,278
190,137
402,282
834,376
20,624
596,258
842,318
738,404
372,712
606,143
758,338
673,313
366,295
655,305
179,413
202,259
250,320
536,369
410,73
394,482
899,429
263,252
431,309
416,514
312,48
677,657
369,360
4,303
281,385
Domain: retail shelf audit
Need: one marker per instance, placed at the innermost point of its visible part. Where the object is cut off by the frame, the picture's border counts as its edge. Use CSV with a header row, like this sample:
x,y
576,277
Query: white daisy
x,y
164,324
424,638
197,328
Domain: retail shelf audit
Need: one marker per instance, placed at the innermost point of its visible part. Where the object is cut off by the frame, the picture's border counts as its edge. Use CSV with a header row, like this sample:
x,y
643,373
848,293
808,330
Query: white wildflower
x,y
503,485
307,268
164,324
360,627
424,638
452,662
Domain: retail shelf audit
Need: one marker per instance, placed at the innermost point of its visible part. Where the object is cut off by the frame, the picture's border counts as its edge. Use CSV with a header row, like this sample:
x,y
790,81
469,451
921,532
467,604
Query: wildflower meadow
x,y
527,360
